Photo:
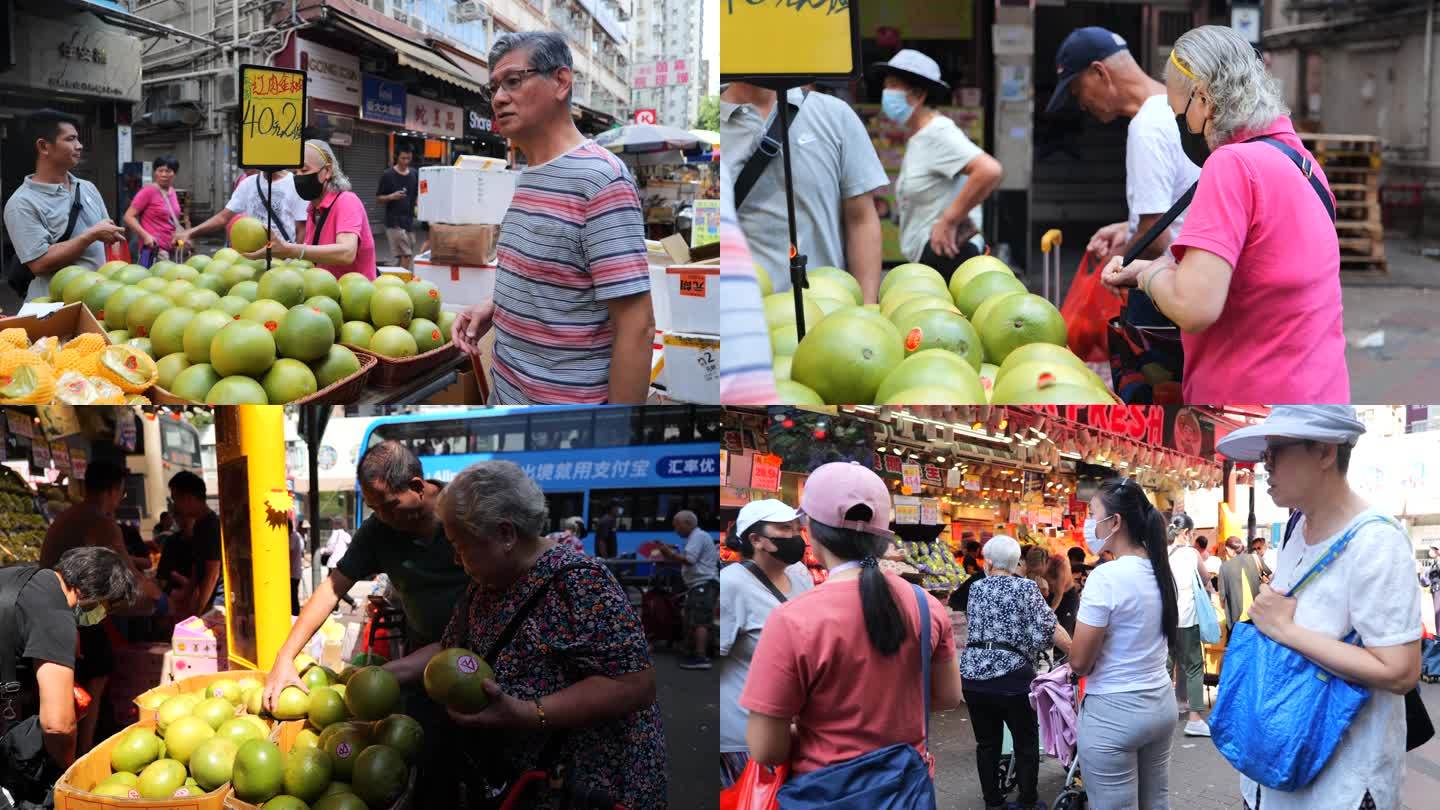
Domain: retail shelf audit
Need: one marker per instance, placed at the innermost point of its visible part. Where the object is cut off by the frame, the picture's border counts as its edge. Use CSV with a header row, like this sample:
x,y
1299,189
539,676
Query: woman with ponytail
x,y
1127,624
1189,661
842,662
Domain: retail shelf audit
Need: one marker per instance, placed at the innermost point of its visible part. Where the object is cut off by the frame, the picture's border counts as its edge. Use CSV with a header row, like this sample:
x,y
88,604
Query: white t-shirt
x,y
1123,597
1212,565
336,547
930,178
1183,560
287,204
1157,173
1370,588
745,603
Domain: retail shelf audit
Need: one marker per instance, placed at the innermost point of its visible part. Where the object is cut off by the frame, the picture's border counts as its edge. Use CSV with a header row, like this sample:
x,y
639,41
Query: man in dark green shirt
x,y
403,539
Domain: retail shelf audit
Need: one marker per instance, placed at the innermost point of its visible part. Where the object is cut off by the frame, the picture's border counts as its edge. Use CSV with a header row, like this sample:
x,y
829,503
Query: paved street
x,y
1200,779
690,703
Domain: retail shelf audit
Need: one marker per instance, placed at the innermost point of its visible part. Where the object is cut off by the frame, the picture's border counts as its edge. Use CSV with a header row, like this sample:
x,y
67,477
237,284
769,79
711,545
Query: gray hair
x,y
687,517
339,181
489,492
547,51
1244,94
1003,553
390,463
575,524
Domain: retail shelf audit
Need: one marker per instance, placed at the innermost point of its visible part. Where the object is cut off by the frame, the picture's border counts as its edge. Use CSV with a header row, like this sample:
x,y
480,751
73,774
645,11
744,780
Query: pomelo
x,y
170,366
902,295
307,738
356,333
338,364
827,287
134,750
161,779
184,273
198,299
425,297
214,282
227,254
329,306
237,390
934,368
197,261
326,707
427,335
266,312
115,790
391,306
77,285
212,763
285,802
283,285
447,320
830,306
910,272
288,380
372,693
380,775
840,277
394,341
970,268
64,274
177,289
291,704
1015,384
194,383
238,273
215,711
185,735
782,366
389,280
762,277
247,235
846,356
920,304
336,786
453,678
355,299
784,341
232,305
307,772
259,771
117,306
109,269
161,266
305,333
200,332
941,329
1019,320
1057,393
340,801
923,395
403,733
1033,352
142,312
344,747
320,282
780,310
249,290
96,296
793,393
352,276
154,284
173,709
118,336
131,274
239,729
983,313
986,286
243,348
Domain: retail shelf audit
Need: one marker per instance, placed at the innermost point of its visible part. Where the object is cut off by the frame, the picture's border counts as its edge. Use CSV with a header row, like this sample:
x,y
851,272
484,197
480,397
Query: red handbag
x,y
758,788
1087,310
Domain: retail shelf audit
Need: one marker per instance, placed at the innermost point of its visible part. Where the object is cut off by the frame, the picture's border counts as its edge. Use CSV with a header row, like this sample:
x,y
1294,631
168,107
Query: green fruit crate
x,y
392,373
340,392
285,738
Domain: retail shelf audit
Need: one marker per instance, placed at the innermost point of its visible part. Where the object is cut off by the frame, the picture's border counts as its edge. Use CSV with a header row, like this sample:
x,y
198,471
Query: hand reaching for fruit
x,y
503,711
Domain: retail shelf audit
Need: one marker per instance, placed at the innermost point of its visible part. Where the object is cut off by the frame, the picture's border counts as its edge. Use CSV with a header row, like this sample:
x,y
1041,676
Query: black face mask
x,y
308,186
789,550
1194,143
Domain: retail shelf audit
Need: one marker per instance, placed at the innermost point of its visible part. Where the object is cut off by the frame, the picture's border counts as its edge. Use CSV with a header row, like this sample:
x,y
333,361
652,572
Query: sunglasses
x,y
1272,451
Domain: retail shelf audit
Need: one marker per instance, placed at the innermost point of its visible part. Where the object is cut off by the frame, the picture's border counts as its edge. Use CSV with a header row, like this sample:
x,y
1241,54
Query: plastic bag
x,y
1088,308
758,788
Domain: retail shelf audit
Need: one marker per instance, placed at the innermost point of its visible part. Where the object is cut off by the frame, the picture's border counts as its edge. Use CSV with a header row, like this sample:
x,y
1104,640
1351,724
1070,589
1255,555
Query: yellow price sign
x,y
272,117
789,38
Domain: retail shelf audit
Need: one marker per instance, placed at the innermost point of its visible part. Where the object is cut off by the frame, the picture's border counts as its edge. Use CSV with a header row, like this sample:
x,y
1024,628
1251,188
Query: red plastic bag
x,y
1087,310
758,788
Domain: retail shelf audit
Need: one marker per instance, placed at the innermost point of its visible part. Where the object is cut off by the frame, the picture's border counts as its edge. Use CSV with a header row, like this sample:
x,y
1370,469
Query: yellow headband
x,y
1175,60
321,152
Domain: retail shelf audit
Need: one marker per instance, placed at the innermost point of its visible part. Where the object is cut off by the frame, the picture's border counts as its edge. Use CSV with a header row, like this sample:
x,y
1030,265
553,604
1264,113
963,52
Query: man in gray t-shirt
x,y
835,172
702,583
38,212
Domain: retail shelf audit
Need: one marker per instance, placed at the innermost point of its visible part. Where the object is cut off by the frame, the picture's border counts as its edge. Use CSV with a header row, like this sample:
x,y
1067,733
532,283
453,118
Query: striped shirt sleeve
x,y
746,374
613,239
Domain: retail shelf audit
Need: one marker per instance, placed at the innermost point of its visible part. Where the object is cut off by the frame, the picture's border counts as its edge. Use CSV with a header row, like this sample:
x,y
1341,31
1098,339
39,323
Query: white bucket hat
x,y
1328,424
916,65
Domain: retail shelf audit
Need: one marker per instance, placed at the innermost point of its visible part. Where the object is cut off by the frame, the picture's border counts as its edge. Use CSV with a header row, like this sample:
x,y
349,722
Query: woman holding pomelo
x,y
338,229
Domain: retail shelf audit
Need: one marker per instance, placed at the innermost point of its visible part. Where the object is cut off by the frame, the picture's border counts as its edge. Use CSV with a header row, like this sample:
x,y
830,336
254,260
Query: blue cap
x,y
1083,47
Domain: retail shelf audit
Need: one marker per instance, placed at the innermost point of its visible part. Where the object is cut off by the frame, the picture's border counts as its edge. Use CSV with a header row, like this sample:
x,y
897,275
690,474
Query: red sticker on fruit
x,y
435,334
467,664
146,332
271,325
1046,380
6,379
912,340
100,316
435,294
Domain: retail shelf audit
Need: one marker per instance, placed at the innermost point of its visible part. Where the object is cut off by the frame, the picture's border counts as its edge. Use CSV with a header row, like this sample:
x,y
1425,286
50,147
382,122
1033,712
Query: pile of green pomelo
x,y
983,338
224,331
354,752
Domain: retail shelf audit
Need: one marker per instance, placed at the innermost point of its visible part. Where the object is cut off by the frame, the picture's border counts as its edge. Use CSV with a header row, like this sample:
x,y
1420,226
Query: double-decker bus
x,y
653,461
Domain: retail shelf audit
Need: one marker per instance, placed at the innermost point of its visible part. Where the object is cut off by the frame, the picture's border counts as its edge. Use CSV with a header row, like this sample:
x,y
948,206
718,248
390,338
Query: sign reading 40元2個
x,y
272,117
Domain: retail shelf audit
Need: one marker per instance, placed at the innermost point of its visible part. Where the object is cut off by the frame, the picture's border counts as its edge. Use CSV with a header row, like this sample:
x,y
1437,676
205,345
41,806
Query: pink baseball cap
x,y
834,489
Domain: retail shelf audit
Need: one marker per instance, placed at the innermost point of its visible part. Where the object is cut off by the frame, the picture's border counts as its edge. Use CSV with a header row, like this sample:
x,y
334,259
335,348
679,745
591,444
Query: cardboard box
x,y
72,789
464,391
198,647
692,368
461,285
473,245
64,323
464,196
692,294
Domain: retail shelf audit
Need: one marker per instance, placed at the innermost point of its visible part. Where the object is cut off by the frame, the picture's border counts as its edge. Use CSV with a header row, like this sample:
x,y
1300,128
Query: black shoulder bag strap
x,y
266,199
324,216
768,148
764,580
1162,223
1306,167
20,275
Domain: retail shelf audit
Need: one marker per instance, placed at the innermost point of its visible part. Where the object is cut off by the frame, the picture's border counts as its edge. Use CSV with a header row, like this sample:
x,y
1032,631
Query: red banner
x,y
765,473
1144,423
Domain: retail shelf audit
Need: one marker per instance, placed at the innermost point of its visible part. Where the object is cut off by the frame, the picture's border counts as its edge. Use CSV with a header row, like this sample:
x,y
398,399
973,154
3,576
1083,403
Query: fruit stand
x,y
22,525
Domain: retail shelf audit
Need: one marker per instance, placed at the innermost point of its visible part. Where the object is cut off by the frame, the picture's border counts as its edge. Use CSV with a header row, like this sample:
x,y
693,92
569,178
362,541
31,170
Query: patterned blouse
x,y
584,626
1008,609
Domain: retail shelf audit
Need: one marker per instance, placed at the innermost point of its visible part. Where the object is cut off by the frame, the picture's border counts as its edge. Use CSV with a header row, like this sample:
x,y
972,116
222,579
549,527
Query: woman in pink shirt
x,y
847,693
1253,281
154,215
338,230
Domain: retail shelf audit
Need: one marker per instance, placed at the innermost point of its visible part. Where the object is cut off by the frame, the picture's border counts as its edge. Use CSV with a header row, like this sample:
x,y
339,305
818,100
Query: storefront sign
x,y
477,124
79,462
892,464
432,117
332,75
910,476
20,424
75,55
930,511
272,117
932,475
765,473
705,228
1144,423
382,101
907,510
645,116
952,478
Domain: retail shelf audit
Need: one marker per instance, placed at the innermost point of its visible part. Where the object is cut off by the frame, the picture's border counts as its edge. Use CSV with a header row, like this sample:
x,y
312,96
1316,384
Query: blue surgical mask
x,y
895,106
1093,541
91,617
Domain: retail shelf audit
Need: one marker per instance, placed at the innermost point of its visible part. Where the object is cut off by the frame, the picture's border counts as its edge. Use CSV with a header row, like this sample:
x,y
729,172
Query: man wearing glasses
x,y
572,314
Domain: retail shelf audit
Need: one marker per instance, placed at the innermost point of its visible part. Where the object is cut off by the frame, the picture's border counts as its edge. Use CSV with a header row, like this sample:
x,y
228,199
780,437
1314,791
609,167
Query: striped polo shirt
x,y
572,240
746,374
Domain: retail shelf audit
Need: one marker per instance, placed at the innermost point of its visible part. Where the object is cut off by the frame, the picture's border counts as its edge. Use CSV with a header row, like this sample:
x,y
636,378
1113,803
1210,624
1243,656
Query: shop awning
x,y
116,15
414,56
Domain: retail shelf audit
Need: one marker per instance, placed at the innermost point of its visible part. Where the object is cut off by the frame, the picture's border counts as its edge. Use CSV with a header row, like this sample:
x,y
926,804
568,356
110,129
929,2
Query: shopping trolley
x,y
1050,265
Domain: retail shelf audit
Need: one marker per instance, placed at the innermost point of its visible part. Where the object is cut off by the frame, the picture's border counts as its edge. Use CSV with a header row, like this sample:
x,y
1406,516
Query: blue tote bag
x,y
895,777
1278,717
1205,613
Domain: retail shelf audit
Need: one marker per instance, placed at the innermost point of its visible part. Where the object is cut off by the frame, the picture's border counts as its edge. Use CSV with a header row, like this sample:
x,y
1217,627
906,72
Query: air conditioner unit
x,y
419,25
401,17
185,91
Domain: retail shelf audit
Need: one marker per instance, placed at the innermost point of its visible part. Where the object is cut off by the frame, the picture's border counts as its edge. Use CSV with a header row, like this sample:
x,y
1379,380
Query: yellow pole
x,y
256,509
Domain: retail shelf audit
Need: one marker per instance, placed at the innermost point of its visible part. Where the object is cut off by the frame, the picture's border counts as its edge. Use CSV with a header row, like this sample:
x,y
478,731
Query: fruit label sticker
x,y
343,750
693,285
467,664
182,793
272,325
435,294
912,340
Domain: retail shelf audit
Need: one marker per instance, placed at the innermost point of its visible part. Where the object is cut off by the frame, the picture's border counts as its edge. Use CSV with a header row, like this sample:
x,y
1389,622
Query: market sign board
x,y
382,101
75,55
1140,422
333,75
434,118
272,117
664,73
763,39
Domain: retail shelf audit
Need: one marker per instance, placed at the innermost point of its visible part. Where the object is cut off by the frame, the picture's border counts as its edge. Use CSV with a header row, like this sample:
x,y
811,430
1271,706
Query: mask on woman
x,y
1093,541
789,550
308,186
1197,149
91,617
895,106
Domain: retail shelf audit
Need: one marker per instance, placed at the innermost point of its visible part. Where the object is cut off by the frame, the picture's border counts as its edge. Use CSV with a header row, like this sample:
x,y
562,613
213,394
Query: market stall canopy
x,y
640,138
707,136
416,56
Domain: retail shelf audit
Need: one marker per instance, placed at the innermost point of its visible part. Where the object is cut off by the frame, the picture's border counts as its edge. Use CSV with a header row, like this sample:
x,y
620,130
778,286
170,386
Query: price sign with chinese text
x,y
272,117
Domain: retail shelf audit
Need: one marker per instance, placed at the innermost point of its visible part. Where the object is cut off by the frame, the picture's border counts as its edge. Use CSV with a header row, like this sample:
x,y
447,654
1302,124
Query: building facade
x,y
669,77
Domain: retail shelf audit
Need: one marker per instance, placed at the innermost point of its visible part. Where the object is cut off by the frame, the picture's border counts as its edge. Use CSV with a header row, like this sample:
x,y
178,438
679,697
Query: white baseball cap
x,y
768,510
1327,424
915,64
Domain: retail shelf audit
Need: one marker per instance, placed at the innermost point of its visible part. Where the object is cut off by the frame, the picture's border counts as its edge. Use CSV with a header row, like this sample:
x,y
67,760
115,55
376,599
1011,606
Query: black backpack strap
x,y
75,206
1290,526
1162,223
764,580
768,148
1306,167
526,608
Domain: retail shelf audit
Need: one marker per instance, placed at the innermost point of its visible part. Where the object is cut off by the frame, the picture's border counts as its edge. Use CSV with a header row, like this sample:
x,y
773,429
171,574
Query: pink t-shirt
x,y
815,663
149,206
347,215
1279,337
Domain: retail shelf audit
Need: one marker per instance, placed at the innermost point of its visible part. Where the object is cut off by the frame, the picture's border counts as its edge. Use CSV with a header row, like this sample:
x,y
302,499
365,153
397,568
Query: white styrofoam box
x,y
692,367
693,292
659,259
460,286
465,197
